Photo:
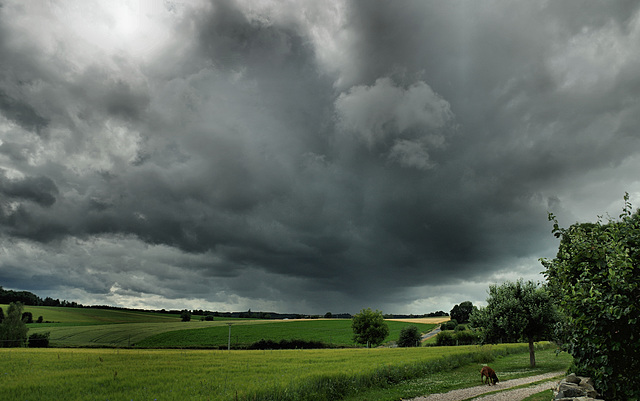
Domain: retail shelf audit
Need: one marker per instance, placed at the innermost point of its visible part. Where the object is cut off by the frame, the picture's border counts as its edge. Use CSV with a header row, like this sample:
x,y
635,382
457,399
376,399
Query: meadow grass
x,y
117,374
334,332
512,366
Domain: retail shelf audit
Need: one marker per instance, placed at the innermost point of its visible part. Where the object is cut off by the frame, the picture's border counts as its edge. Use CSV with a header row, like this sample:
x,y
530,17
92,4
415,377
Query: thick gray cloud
x,y
306,156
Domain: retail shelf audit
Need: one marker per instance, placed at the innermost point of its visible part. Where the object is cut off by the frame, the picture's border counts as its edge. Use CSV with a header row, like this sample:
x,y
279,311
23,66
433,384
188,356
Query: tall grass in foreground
x,y
90,374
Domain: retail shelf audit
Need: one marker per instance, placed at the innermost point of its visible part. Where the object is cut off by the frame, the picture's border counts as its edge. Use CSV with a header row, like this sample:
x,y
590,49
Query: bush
x,y
39,340
450,325
209,318
409,337
460,327
445,338
463,337
287,344
27,317
467,337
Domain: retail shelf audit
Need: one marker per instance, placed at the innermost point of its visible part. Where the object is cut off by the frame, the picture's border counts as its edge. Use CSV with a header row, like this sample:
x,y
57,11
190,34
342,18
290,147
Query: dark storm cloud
x,y
296,156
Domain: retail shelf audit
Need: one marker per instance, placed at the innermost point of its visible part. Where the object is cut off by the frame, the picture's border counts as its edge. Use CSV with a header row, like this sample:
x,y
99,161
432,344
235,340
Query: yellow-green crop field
x,y
127,374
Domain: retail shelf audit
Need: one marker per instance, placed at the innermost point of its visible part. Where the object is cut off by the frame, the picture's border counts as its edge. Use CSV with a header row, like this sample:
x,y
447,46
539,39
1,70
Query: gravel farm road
x,y
504,393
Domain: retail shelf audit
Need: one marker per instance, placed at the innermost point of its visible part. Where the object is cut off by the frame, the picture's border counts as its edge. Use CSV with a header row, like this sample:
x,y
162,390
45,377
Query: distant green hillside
x,y
86,316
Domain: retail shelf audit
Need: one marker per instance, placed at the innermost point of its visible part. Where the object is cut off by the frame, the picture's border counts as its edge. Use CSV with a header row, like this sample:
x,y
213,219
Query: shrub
x,y
409,337
467,337
287,344
460,327
445,338
27,317
450,325
39,340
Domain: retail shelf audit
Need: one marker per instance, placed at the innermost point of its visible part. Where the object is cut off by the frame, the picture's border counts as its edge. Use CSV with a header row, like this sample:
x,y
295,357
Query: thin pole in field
x,y
229,343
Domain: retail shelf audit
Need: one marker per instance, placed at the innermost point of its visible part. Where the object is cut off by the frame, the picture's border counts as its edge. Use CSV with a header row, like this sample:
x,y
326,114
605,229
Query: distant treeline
x,y
29,298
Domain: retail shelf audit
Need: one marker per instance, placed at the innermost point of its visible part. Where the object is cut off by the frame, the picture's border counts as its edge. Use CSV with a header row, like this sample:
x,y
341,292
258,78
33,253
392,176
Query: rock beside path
x,y
575,388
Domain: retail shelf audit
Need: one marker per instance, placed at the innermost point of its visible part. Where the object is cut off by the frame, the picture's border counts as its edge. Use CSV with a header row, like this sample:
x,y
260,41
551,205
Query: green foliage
x,y
596,280
450,325
185,315
409,337
369,327
461,312
516,312
39,340
445,338
27,317
462,337
13,330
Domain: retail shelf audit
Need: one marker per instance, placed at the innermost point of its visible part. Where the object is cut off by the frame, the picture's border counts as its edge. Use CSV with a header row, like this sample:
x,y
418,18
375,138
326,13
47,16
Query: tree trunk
x,y
532,355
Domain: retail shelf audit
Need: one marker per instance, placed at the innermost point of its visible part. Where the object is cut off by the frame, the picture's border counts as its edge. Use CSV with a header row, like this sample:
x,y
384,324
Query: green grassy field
x,y
88,316
99,374
81,327
334,332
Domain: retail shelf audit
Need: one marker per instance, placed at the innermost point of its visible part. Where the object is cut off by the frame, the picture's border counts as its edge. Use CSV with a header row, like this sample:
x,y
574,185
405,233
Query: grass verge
x,y
511,366
99,374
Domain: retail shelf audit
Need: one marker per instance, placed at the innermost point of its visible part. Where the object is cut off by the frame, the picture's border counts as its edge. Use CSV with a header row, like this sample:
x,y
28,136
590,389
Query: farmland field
x,y
116,374
87,316
333,331
84,327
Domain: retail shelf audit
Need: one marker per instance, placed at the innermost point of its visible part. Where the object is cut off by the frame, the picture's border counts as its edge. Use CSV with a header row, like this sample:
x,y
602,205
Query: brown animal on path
x,y
490,374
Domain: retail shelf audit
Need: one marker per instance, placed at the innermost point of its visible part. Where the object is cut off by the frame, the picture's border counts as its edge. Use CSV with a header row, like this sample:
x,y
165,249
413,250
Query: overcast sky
x,y
307,156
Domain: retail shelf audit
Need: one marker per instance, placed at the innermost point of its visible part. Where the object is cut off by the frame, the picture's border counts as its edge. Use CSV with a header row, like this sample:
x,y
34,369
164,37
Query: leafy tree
x,y
185,315
369,327
1,315
409,337
13,330
516,312
461,312
27,317
595,277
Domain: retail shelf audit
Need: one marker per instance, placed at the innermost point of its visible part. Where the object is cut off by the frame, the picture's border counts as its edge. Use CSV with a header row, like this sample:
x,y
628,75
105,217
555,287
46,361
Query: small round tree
x,y
520,311
409,337
369,327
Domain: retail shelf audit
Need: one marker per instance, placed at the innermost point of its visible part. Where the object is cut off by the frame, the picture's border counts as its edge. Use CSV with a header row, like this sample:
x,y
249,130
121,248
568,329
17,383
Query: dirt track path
x,y
504,394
